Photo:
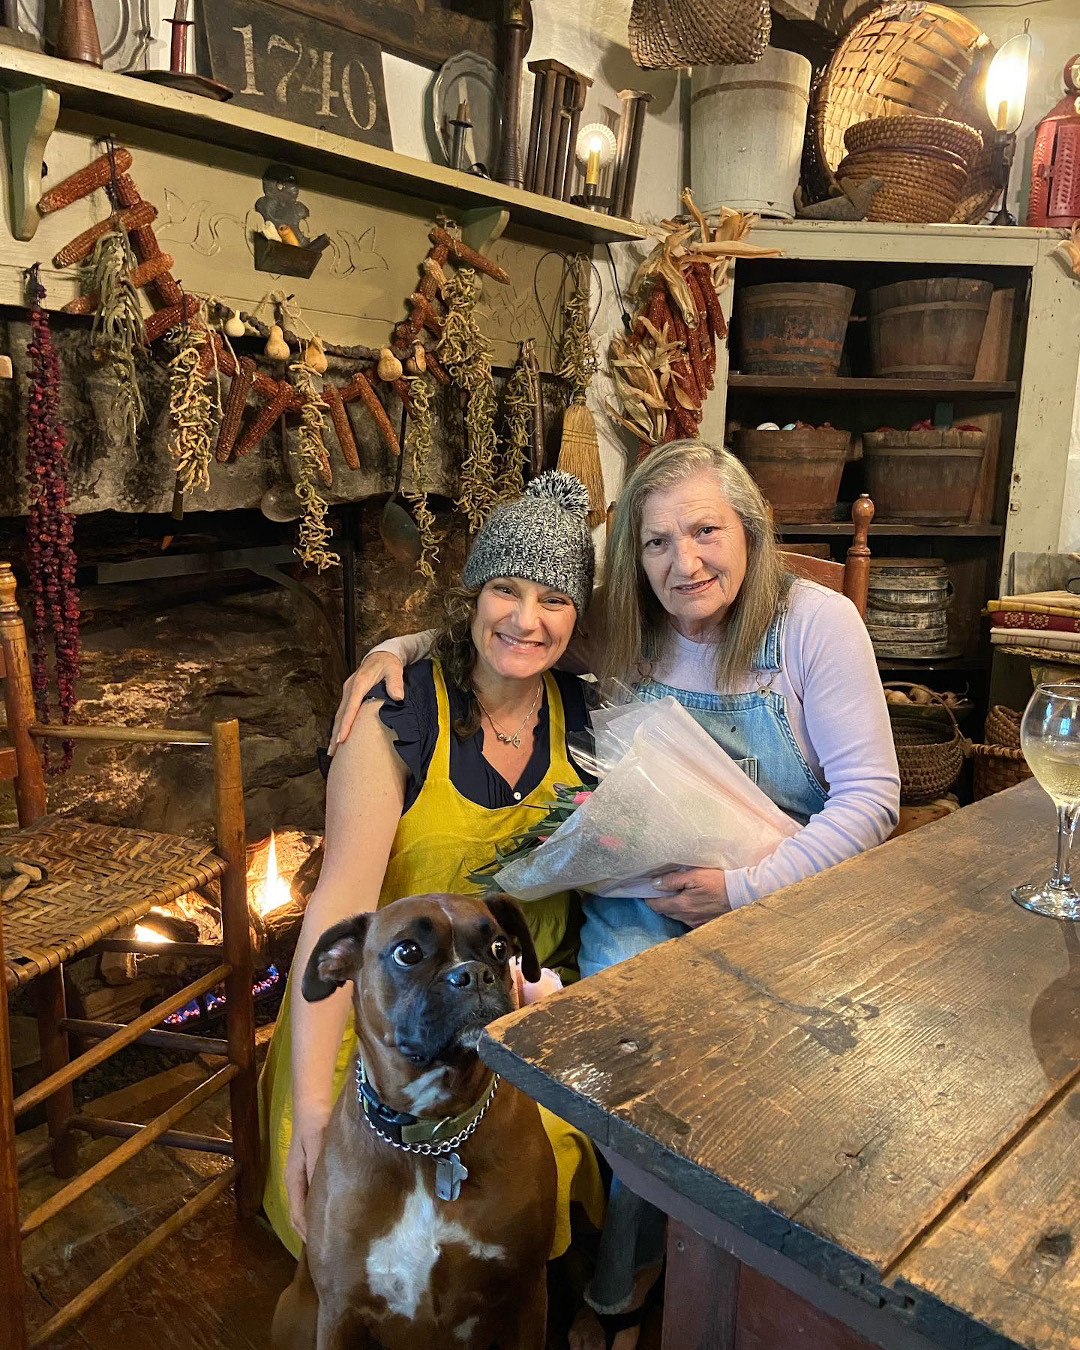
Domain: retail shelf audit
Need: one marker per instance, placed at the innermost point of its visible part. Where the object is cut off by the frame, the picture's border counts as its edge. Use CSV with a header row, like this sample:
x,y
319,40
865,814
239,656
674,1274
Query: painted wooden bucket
x,y
923,477
747,125
798,471
907,607
793,327
929,329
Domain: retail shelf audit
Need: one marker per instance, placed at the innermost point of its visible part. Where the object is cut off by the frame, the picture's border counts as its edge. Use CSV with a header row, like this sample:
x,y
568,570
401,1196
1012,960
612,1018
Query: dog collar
x,y
410,1133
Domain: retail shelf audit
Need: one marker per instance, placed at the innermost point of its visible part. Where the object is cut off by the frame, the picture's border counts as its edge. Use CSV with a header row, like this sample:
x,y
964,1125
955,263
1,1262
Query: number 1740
x,y
316,77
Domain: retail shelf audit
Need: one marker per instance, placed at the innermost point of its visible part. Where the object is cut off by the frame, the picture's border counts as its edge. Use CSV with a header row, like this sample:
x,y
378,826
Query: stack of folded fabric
x,y
1046,620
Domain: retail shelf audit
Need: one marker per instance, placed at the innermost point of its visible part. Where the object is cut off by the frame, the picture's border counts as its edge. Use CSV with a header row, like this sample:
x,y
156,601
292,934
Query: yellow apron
x,y
439,840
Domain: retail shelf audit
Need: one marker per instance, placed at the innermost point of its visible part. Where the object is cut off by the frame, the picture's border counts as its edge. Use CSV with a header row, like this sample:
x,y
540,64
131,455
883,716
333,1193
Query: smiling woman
x,y
423,792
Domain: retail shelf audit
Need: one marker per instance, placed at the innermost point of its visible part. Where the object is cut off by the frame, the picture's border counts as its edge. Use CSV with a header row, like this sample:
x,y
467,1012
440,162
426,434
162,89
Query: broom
x,y
579,446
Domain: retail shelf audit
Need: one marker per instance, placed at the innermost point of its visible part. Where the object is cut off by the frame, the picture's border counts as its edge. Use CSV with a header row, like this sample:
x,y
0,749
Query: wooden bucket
x,y
793,327
907,607
747,125
923,477
798,471
929,329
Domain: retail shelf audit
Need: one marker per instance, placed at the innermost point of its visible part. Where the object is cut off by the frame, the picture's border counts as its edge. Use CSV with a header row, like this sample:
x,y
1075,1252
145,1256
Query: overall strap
x,y
440,759
767,656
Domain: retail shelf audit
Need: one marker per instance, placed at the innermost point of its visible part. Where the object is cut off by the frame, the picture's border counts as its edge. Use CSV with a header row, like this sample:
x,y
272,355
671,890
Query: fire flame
x,y
150,936
273,890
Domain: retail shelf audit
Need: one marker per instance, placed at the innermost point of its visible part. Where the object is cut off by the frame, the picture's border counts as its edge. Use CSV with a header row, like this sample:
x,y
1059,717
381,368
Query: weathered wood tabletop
x,y
874,1074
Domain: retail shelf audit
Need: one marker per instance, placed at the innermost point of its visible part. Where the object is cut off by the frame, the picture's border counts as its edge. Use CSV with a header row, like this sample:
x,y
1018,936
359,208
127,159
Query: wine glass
x,y
1050,739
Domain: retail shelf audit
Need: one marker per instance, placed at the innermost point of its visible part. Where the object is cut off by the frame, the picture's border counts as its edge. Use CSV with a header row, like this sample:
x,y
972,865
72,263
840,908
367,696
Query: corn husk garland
x,y
118,335
420,440
664,370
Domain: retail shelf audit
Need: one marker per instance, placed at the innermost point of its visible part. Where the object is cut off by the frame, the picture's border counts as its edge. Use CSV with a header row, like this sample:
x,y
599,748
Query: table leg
x,y
701,1293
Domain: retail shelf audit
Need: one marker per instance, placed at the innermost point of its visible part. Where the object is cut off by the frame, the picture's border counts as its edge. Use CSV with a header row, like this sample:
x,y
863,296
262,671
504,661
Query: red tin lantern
x,y
1054,201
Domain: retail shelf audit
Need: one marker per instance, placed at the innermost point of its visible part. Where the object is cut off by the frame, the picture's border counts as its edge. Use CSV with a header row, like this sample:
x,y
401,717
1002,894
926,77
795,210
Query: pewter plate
x,y
470,76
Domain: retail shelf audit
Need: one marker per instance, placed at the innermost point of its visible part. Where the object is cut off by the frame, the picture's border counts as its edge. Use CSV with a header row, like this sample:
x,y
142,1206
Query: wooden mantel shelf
x,y
124,99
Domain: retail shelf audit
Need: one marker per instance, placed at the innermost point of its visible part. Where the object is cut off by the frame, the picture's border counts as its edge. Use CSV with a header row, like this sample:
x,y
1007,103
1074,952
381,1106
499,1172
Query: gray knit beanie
x,y
542,536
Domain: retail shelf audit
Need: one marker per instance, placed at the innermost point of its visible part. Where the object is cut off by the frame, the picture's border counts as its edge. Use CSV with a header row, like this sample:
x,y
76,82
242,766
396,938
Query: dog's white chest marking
x,y
464,1331
399,1265
424,1093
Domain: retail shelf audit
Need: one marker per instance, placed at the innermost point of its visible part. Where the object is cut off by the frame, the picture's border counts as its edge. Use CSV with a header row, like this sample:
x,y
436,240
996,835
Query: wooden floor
x,y
211,1287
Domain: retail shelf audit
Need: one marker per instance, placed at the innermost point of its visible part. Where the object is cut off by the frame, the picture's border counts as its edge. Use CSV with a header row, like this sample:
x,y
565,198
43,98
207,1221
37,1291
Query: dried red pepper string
x,y
50,529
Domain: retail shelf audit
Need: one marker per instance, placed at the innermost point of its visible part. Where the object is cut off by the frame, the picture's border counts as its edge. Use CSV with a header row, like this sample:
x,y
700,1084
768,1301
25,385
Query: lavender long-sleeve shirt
x,y
837,710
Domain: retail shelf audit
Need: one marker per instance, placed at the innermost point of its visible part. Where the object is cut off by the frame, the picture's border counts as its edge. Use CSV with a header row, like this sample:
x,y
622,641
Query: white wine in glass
x,y
1050,739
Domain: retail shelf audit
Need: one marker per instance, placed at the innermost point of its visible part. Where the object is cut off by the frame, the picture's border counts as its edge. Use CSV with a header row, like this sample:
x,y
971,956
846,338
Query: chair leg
x,y
12,1316
236,934
60,1107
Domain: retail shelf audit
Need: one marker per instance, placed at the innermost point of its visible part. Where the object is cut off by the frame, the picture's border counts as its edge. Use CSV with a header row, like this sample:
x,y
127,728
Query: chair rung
x,y
131,735
210,950
102,1128
159,1040
72,1311
124,1152
105,1049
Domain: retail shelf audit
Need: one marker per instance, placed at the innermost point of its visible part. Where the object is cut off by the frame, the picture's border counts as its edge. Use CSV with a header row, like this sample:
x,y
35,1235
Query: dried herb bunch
x,y
118,335
466,353
314,464
191,410
579,362
50,529
420,439
518,405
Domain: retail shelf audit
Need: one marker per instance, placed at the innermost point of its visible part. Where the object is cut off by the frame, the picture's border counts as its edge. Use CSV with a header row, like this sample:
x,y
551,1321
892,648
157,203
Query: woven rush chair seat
x,y
100,878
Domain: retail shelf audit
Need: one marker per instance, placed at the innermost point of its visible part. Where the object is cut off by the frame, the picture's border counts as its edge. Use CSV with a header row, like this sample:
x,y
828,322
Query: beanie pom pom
x,y
564,488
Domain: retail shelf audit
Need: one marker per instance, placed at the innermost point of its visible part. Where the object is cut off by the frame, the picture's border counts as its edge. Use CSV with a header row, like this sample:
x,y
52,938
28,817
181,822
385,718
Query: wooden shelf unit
x,y
832,386
121,98
841,529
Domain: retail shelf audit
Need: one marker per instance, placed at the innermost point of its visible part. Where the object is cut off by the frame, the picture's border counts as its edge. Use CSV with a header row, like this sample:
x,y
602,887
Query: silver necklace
x,y
514,737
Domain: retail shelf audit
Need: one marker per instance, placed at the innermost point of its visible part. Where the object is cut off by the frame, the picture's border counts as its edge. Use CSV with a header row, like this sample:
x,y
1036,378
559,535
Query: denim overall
x,y
755,731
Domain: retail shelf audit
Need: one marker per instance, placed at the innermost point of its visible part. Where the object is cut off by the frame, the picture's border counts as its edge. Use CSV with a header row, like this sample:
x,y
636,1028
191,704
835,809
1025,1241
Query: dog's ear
x,y
335,959
508,915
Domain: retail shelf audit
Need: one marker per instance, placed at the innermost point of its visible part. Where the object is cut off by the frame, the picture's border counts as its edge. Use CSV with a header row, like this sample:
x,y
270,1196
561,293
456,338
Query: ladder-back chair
x,y
100,879
850,578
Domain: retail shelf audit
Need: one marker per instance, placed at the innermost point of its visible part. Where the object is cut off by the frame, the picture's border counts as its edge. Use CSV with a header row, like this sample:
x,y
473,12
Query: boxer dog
x,y
431,1210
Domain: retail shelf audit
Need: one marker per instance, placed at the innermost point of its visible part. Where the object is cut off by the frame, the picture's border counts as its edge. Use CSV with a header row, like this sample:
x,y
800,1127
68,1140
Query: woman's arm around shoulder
x,y
831,664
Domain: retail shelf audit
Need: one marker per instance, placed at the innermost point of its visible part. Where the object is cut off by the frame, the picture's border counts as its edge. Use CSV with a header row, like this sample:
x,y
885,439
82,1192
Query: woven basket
x,y
999,762
935,133
930,755
921,184
665,34
907,57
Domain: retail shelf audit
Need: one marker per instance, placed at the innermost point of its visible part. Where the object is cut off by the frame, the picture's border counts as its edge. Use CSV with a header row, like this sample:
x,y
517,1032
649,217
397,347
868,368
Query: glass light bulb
x,y
1006,84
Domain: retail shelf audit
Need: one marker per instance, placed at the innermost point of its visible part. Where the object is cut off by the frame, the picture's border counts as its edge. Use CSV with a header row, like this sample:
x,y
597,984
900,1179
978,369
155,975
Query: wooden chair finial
x,y
9,606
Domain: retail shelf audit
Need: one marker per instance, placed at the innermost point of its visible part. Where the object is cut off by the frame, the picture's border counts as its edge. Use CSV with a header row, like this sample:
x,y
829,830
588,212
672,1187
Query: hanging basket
x,y
907,57
666,34
929,754
999,761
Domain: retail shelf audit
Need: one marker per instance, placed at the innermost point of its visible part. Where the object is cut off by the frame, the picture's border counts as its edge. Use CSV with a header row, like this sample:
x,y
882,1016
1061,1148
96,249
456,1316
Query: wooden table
x,y
866,1086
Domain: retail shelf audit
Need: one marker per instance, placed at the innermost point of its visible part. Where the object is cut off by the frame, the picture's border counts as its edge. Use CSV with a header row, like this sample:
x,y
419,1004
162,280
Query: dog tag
x,y
450,1172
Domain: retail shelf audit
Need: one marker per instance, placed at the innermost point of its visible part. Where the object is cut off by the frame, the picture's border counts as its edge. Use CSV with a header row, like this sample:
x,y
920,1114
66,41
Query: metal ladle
x,y
396,526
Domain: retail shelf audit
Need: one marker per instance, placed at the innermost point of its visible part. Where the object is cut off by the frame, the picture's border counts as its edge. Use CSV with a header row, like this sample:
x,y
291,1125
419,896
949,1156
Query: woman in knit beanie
x,y
424,792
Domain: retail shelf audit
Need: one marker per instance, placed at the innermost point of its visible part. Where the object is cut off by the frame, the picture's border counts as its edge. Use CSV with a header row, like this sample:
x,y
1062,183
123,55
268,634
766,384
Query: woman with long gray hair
x,y
696,603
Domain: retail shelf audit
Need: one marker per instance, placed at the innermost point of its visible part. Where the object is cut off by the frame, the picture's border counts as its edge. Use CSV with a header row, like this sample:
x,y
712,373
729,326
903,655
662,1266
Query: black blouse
x,y
415,724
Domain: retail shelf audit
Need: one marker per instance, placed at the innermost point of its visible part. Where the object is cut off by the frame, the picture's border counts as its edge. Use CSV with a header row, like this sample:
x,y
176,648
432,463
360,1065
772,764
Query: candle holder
x,y
1006,97
558,101
595,151
178,76
589,198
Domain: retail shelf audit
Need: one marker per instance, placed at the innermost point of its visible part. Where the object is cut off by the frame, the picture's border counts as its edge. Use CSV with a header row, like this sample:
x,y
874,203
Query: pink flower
x,y
609,841
543,838
580,797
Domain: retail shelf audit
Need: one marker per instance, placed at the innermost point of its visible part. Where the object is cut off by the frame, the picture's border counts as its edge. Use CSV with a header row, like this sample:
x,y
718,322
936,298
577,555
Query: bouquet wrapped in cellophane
x,y
668,796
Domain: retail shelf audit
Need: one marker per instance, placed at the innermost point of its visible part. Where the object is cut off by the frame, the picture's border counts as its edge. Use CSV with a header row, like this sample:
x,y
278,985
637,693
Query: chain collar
x,y
392,1126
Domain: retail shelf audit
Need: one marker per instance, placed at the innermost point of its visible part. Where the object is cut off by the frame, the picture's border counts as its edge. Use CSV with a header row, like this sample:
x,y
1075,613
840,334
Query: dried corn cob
x,y
83,244
157,325
433,271
436,368
215,353
360,386
469,256
125,192
233,413
714,310
342,426
85,181
264,420
140,276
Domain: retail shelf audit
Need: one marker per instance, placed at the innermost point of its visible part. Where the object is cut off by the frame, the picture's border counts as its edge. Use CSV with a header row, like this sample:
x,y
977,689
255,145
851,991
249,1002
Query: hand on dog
x,y
309,1128
526,993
